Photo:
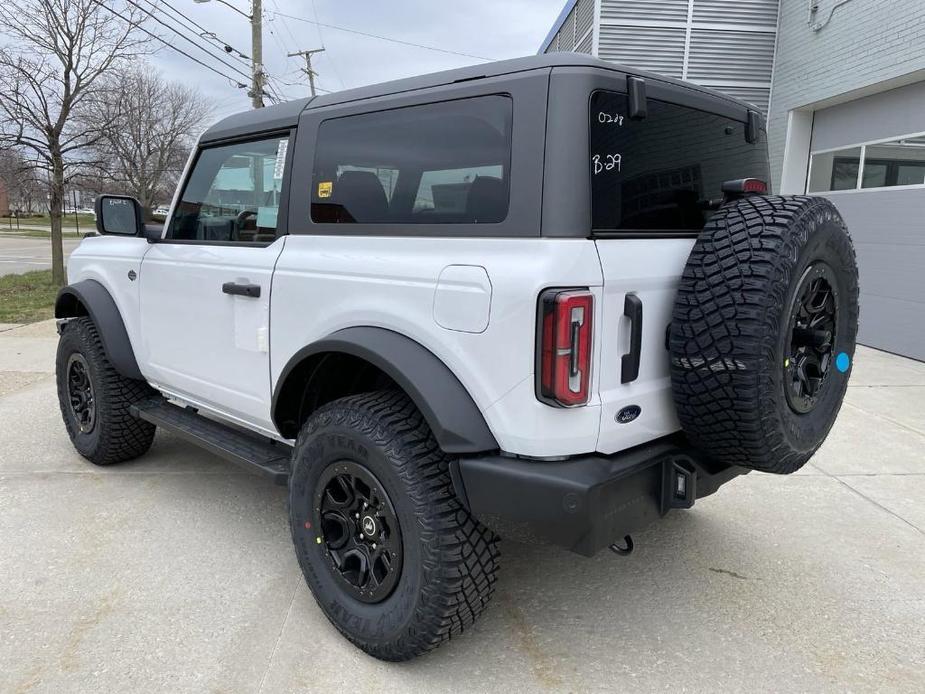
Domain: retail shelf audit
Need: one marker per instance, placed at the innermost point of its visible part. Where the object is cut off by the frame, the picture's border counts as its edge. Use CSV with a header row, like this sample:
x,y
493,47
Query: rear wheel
x,y
393,559
763,331
95,399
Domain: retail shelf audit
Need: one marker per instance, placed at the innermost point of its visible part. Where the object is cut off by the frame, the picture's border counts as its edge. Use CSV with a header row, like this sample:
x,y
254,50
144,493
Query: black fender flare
x,y
99,305
453,417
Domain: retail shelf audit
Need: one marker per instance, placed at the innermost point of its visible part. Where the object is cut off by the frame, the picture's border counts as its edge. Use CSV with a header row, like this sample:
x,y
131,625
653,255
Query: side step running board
x,y
240,447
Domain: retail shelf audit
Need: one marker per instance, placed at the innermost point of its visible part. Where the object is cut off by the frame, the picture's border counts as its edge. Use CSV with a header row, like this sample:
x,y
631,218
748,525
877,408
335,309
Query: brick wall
x,y
866,42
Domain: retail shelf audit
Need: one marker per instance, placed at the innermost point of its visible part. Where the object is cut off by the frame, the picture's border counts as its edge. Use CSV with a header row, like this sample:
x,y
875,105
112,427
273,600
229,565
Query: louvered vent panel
x,y
567,33
616,11
753,95
585,46
584,11
730,55
756,12
659,49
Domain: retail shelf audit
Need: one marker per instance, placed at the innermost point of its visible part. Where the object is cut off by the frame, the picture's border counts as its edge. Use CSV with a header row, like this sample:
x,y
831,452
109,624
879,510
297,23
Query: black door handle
x,y
251,290
632,309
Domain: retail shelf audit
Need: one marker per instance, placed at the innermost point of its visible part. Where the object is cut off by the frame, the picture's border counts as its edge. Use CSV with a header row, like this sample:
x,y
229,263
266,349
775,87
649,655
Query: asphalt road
x,y
175,573
20,254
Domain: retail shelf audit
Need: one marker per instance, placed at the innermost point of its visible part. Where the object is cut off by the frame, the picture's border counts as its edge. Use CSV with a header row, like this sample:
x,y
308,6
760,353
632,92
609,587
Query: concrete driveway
x,y
20,254
175,573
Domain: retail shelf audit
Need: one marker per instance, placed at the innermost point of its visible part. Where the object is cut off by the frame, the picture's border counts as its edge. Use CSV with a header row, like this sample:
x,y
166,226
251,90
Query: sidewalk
x,y
175,573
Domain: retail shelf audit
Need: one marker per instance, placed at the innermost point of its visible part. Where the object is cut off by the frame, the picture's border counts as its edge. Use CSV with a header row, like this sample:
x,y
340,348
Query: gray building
x,y
843,84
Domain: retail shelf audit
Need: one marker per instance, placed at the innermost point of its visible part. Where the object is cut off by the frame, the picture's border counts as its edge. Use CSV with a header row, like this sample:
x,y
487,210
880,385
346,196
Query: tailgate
x,y
650,270
655,180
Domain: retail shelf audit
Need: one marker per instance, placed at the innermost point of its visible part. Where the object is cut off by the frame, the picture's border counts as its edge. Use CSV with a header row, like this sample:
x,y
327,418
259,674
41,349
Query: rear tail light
x,y
564,347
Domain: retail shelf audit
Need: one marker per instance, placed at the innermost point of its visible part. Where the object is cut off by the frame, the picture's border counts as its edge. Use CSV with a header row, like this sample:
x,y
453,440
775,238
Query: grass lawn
x,y
44,220
28,297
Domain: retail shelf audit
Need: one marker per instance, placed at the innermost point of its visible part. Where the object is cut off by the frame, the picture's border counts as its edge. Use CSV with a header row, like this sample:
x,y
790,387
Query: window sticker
x,y
281,150
325,188
266,217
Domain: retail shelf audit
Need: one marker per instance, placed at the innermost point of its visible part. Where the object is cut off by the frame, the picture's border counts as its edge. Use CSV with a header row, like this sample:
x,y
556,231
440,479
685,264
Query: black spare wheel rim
x,y
812,332
80,393
360,533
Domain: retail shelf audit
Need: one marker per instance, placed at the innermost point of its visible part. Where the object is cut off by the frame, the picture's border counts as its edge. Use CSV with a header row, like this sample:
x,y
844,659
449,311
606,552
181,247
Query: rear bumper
x,y
584,504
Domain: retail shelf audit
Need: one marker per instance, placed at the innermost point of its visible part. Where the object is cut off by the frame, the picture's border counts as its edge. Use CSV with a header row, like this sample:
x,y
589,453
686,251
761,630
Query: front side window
x,y
233,193
659,173
443,163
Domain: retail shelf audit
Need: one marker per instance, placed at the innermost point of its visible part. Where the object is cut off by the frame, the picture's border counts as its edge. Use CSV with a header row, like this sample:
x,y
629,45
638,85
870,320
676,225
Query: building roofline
x,y
560,20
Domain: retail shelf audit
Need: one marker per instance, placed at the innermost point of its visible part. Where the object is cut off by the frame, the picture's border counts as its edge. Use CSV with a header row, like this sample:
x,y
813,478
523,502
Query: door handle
x,y
632,309
251,290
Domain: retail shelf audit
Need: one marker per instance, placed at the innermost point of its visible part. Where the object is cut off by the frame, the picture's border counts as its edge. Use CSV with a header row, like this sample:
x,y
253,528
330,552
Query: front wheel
x,y
95,398
393,559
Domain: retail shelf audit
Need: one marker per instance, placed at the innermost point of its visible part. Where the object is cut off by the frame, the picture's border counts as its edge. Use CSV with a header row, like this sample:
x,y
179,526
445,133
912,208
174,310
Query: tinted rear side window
x,y
657,173
443,163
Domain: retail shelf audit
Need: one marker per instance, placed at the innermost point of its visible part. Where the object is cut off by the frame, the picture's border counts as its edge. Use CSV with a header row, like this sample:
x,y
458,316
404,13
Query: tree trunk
x,y
56,203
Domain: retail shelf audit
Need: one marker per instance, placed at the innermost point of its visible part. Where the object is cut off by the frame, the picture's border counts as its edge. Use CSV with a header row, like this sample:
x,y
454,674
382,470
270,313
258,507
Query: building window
x,y
883,164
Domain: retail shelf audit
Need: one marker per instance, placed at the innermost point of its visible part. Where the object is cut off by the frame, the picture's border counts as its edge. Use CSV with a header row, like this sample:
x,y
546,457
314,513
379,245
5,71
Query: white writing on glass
x,y
614,118
608,162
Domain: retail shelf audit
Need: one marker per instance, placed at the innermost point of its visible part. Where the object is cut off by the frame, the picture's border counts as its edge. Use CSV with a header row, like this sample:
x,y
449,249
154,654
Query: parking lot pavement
x,y
23,254
175,573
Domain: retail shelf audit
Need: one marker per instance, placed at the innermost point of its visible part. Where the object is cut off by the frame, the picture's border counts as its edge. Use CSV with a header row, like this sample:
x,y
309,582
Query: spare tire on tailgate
x,y
763,331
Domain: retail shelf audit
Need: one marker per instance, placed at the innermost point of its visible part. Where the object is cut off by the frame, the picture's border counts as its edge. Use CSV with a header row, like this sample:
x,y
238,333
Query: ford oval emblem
x,y
628,414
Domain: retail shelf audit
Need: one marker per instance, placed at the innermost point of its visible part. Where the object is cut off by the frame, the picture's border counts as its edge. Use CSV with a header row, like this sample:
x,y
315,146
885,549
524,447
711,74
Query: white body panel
x,y
326,283
197,343
651,269
472,302
108,260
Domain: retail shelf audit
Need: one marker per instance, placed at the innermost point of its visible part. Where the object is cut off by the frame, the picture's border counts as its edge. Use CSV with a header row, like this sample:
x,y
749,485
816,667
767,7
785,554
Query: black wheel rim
x,y
359,531
810,352
80,393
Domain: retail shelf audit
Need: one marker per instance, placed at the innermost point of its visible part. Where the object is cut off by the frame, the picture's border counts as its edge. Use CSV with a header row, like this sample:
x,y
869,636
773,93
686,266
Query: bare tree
x,y
53,67
151,126
22,182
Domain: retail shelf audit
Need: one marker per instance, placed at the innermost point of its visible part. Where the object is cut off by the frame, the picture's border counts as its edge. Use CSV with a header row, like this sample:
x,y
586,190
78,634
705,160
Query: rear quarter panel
x,y
326,283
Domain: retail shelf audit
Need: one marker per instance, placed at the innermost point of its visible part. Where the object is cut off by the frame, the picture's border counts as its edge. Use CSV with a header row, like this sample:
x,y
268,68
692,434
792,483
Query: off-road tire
x,y
116,436
449,561
729,332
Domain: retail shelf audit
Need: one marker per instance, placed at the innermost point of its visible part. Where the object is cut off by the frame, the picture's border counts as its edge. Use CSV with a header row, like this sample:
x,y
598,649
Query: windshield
x,y
658,173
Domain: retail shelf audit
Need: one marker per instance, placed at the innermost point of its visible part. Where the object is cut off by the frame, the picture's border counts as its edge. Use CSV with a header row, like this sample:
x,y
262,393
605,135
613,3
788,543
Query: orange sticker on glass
x,y
325,188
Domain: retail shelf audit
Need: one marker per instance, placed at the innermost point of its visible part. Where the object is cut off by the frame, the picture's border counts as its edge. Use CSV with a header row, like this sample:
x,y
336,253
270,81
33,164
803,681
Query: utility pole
x,y
308,65
257,50
256,20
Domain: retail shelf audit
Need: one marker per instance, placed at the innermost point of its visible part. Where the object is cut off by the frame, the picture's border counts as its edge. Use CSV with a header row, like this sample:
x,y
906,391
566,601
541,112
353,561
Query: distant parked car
x,y
161,212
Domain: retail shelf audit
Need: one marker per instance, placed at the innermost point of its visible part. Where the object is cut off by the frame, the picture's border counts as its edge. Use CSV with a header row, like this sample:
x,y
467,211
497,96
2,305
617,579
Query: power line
x,y
169,45
383,38
194,26
183,36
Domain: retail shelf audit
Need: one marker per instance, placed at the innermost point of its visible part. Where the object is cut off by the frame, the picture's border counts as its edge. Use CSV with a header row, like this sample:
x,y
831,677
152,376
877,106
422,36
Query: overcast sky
x,y
492,29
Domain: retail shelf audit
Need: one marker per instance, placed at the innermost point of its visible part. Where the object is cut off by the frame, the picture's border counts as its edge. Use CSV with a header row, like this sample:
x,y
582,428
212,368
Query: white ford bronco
x,y
549,299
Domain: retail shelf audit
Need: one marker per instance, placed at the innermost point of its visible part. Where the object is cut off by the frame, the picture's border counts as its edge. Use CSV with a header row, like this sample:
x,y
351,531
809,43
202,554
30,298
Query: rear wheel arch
x,y
362,359
90,298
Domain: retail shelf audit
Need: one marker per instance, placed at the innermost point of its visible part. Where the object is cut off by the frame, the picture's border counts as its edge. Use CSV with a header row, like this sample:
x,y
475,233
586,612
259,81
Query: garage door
x,y
868,157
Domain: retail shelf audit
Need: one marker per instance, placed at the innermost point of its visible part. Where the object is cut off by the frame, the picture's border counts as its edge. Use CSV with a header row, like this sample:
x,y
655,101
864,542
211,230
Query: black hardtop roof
x,y
286,115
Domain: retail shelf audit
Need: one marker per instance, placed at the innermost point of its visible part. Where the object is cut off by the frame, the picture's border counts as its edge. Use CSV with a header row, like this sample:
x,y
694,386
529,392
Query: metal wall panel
x,y
753,95
751,12
659,49
584,18
618,11
586,45
730,55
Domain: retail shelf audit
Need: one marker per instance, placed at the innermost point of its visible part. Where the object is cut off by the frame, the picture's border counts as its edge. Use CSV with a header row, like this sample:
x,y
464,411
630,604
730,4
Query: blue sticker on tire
x,y
842,362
